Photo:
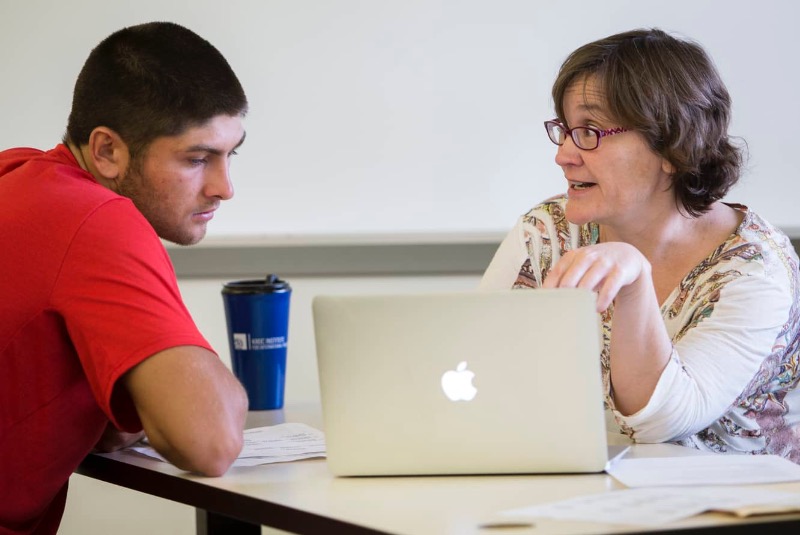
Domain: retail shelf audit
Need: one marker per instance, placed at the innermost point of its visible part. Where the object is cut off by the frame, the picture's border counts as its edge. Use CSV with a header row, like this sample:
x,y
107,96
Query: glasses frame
x,y
572,131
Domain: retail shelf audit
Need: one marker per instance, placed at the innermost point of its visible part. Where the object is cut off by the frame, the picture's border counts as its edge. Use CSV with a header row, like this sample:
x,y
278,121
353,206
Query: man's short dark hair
x,y
152,80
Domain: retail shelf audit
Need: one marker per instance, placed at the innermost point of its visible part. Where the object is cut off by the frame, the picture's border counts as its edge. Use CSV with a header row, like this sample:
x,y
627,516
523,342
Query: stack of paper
x,y
661,505
717,469
667,489
271,444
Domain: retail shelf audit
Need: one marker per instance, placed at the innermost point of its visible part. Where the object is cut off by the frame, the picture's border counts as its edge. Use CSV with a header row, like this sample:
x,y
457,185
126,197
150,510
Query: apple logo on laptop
x,y
457,384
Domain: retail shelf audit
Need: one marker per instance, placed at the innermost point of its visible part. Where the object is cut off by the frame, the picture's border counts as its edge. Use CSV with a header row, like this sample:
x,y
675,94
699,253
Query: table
x,y
302,497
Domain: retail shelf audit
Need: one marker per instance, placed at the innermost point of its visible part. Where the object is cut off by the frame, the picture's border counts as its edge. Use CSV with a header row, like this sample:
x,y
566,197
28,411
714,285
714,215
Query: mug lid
x,y
270,284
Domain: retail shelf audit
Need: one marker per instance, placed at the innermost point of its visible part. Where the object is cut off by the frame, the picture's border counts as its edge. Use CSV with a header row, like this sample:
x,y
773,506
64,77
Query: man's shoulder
x,y
48,198
12,159
50,182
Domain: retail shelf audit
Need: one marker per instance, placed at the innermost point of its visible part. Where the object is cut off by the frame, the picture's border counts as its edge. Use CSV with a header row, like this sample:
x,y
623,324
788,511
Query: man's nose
x,y
219,184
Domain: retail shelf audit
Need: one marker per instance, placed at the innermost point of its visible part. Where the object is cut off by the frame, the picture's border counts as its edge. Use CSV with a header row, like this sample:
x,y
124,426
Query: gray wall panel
x,y
337,260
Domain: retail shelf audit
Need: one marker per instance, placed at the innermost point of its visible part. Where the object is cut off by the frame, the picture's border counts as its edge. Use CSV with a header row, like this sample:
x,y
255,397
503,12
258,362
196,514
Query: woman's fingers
x,y
603,268
578,269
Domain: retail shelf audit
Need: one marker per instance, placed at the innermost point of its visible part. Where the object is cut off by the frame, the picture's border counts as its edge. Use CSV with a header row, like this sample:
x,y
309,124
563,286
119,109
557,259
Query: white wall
x,y
408,115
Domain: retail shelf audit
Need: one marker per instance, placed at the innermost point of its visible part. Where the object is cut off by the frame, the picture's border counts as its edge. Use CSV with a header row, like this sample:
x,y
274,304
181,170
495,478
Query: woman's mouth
x,y
581,185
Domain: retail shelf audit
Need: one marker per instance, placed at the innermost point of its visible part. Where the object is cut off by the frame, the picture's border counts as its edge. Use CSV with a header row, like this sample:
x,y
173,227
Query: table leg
x,y
209,523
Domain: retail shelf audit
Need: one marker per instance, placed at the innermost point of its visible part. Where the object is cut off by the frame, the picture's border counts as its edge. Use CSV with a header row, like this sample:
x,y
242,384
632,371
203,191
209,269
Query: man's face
x,y
179,181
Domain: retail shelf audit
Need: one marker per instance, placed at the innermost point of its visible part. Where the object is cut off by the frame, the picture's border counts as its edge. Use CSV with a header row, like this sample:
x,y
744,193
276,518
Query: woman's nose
x,y
568,153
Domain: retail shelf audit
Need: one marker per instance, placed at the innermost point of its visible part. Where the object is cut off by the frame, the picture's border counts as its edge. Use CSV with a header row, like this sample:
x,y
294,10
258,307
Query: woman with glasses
x,y
703,294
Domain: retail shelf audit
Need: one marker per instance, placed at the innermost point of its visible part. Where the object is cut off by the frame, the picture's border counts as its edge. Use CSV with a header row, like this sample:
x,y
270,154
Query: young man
x,y
96,344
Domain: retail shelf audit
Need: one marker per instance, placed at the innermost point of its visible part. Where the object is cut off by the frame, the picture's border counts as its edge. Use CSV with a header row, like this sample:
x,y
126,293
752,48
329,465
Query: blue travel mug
x,y
257,314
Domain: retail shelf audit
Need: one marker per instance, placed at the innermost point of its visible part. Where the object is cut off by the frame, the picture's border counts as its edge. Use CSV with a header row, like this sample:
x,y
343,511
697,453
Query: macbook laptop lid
x,y
461,383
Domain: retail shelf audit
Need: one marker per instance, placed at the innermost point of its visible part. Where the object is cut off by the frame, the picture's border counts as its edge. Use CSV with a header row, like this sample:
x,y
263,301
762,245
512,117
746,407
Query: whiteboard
x,y
409,116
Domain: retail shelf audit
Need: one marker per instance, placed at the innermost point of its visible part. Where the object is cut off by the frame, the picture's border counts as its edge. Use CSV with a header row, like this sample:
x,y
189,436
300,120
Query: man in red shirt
x,y
96,345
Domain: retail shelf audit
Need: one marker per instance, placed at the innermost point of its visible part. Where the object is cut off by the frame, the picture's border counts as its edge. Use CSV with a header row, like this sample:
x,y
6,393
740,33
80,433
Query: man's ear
x,y
108,153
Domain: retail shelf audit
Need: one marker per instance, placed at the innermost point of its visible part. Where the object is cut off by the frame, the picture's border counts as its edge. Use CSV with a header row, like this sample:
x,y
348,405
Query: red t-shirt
x,y
88,292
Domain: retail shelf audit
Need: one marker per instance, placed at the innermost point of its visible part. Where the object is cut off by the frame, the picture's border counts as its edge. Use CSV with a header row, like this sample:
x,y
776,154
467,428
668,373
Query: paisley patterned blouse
x,y
731,384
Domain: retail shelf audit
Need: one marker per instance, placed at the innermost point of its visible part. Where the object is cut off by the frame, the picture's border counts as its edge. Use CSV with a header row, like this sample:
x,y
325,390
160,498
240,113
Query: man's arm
x,y
191,406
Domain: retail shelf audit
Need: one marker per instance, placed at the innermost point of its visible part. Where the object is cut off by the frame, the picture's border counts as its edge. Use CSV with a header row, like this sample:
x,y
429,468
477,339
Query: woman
x,y
703,294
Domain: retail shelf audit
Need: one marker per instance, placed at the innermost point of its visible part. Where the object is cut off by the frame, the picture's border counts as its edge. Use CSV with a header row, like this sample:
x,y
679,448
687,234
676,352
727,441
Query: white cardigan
x,y
734,321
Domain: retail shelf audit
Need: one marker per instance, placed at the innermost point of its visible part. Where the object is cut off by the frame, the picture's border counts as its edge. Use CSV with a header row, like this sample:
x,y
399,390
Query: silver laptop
x,y
461,383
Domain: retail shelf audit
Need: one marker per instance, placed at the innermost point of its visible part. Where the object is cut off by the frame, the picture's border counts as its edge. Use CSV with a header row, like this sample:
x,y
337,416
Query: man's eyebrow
x,y
213,150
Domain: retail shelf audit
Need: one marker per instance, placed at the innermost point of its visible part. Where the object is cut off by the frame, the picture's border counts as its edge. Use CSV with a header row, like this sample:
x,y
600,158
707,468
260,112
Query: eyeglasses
x,y
585,137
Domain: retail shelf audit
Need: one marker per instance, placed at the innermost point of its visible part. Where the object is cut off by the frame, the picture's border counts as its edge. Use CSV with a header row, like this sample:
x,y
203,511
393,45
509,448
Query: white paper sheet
x,y
658,506
271,444
704,470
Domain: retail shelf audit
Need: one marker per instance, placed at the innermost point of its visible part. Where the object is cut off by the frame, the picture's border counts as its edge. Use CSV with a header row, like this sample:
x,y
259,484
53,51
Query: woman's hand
x,y
610,269
640,345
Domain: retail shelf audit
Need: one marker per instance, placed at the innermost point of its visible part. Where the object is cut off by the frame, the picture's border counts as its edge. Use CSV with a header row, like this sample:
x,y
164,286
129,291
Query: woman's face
x,y
622,183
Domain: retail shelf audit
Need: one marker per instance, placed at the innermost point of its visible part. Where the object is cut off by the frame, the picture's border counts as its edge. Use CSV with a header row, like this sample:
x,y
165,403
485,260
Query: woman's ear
x,y
667,167
108,154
